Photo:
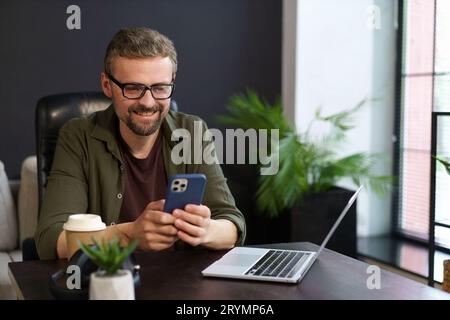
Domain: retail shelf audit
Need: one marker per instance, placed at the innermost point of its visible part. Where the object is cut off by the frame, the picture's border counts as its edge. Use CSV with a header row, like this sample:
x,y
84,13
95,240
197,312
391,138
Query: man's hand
x,y
193,224
153,228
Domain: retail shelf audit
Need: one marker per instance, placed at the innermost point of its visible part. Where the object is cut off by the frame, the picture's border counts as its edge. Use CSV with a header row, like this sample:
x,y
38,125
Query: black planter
x,y
313,218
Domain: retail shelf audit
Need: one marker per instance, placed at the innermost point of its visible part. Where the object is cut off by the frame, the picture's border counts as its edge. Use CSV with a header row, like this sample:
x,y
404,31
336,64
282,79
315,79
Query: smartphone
x,y
184,189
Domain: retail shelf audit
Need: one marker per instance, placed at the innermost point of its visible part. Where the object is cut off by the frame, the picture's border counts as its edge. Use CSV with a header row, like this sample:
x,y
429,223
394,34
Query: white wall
x,y
340,60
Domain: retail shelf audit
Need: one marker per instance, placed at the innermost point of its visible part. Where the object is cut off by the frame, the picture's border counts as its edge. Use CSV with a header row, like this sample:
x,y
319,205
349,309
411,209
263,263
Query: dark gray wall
x,y
223,46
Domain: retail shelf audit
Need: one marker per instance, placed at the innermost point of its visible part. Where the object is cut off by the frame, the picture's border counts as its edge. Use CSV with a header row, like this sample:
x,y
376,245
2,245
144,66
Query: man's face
x,y
143,116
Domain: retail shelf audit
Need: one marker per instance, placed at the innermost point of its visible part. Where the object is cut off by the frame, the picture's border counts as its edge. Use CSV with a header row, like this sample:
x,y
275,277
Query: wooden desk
x,y
177,275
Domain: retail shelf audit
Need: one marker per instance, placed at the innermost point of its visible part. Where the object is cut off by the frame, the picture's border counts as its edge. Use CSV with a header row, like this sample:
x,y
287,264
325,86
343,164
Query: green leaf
x,y
250,111
343,120
279,191
108,255
445,163
130,248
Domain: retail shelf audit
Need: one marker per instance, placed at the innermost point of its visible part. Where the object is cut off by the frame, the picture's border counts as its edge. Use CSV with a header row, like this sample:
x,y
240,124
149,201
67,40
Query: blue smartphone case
x,y
184,189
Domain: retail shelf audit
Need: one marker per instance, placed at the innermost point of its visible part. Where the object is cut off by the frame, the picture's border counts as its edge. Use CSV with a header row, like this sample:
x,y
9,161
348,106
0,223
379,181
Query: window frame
x,y
396,232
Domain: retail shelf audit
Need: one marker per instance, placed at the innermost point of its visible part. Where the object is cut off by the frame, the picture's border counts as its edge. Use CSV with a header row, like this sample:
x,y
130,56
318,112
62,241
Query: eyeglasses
x,y
138,90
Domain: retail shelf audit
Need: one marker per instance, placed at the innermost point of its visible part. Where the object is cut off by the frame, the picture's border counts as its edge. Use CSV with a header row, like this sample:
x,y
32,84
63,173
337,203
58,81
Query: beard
x,y
144,128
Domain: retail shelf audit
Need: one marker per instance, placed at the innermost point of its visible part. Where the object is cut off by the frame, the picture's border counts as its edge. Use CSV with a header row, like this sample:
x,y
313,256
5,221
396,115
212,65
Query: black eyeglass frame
x,y
149,88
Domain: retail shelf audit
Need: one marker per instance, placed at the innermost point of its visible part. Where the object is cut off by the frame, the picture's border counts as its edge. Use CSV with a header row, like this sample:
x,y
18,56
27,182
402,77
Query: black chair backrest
x,y
52,112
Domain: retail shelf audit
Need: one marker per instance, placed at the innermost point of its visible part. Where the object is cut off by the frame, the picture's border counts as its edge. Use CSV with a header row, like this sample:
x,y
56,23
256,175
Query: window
x,y
424,96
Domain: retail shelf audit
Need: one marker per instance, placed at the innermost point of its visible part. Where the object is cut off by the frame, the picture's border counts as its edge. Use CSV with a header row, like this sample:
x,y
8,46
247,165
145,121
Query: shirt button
x,y
119,196
121,168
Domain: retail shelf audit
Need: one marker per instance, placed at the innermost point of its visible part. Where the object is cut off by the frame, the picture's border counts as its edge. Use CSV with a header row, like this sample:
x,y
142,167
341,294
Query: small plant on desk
x,y
110,282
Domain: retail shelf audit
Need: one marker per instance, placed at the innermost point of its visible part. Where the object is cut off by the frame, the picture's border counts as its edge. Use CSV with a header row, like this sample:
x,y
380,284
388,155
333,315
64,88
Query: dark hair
x,y
139,42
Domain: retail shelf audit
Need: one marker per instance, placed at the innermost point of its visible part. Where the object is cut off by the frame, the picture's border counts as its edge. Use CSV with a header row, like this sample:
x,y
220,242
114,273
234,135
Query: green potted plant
x,y
110,282
309,168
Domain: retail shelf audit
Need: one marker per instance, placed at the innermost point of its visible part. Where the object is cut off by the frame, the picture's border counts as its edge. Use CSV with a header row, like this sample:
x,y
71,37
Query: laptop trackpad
x,y
239,259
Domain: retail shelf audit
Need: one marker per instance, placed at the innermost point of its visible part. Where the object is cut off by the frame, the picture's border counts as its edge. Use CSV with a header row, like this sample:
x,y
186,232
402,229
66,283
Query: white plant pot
x,y
117,287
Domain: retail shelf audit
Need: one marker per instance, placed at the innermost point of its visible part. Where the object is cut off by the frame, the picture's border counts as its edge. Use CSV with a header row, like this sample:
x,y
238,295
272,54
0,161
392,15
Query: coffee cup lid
x,y
84,223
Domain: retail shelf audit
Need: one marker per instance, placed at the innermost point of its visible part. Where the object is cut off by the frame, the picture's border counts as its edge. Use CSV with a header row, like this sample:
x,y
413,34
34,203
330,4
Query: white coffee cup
x,y
83,228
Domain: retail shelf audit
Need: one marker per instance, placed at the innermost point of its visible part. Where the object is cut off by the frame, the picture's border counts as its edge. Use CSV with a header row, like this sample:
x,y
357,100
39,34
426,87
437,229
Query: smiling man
x,y
116,163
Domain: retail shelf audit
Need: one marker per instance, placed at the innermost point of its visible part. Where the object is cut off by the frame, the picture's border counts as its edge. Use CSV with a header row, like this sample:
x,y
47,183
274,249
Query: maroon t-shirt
x,y
145,180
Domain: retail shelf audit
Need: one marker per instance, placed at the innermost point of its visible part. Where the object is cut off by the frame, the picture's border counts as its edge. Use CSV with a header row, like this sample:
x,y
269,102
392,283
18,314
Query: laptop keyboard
x,y
278,263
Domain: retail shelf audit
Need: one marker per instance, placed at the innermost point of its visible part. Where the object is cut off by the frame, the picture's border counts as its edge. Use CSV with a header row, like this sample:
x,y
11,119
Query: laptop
x,y
277,265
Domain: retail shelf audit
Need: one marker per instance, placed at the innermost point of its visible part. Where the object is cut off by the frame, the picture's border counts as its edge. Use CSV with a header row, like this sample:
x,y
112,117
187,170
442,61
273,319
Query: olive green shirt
x,y
87,176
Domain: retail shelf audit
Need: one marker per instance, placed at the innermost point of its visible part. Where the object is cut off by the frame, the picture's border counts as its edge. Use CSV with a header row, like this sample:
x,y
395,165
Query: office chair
x,y
52,112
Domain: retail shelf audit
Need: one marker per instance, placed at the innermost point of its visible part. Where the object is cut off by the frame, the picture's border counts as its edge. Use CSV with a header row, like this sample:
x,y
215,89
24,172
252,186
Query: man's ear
x,y
106,85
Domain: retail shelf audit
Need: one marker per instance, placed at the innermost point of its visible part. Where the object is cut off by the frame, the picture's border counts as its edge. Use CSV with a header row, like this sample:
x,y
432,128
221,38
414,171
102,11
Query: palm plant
x,y
108,255
306,165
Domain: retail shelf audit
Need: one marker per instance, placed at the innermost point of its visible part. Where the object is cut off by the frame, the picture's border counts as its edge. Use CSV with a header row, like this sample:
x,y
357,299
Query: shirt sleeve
x,y
66,191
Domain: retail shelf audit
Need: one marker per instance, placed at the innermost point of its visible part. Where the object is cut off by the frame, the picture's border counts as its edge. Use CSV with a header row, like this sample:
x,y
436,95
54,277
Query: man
x,y
116,163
